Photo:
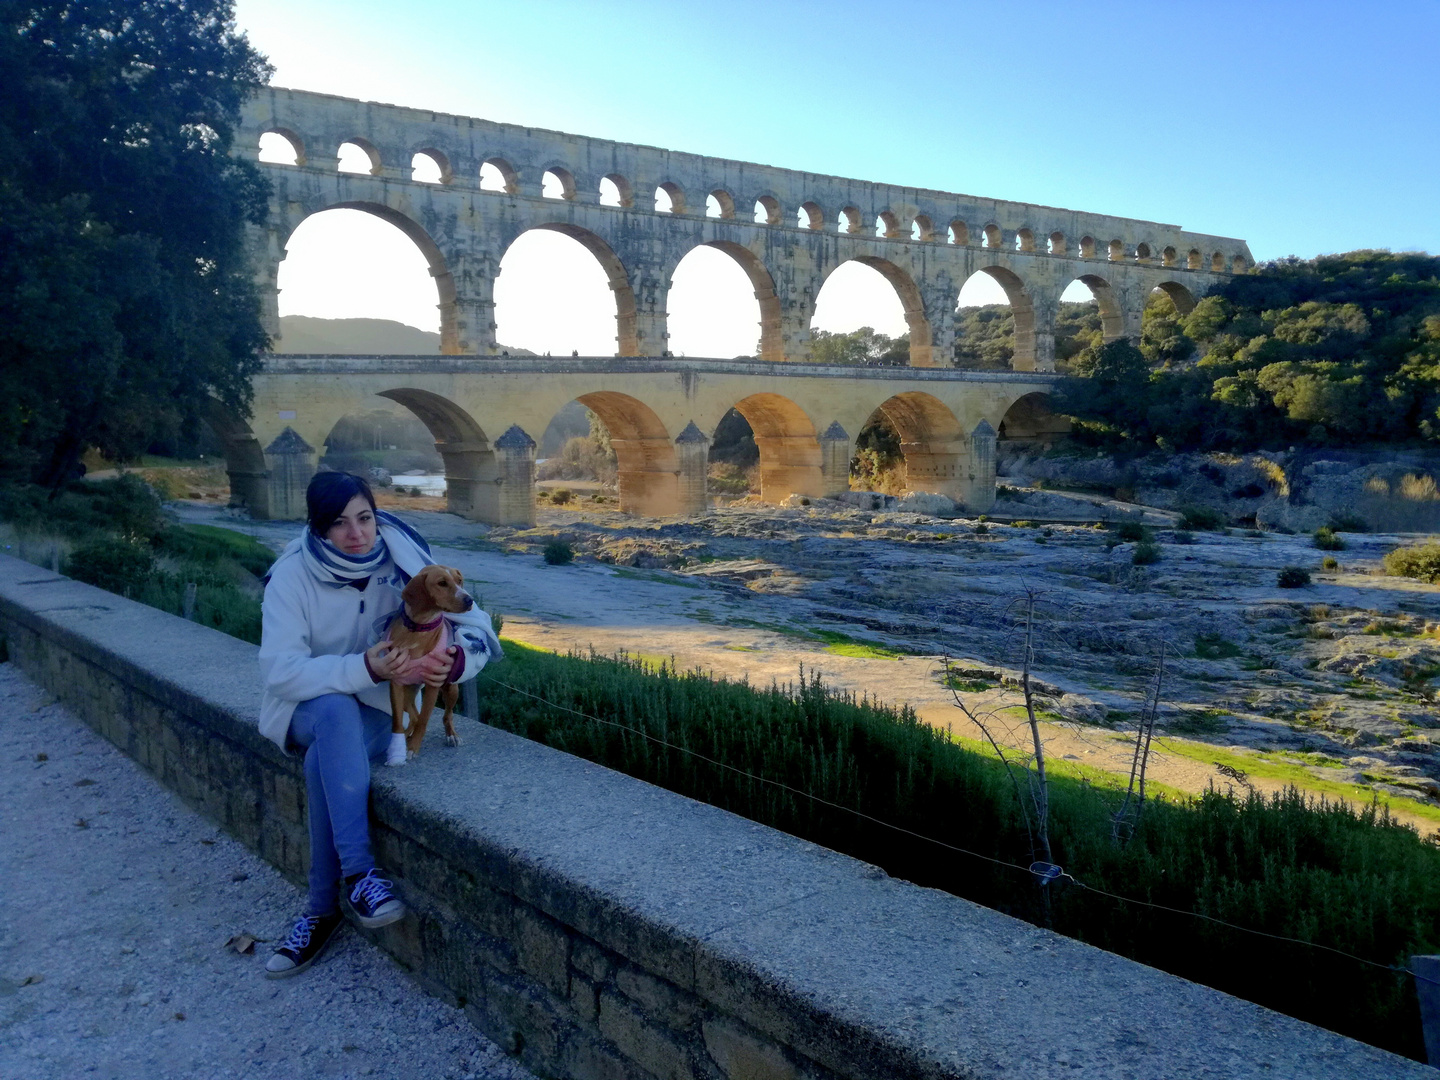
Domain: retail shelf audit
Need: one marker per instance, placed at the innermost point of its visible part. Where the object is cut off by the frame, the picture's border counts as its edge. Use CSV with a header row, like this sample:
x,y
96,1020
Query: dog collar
x,y
412,625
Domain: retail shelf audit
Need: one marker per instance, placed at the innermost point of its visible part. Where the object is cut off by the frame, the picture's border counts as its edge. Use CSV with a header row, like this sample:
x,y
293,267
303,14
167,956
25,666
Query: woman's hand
x,y
433,669
385,661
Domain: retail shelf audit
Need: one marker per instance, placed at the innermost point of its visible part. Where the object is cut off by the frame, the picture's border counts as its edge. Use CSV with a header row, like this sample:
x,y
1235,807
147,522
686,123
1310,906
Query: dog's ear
x,y
416,592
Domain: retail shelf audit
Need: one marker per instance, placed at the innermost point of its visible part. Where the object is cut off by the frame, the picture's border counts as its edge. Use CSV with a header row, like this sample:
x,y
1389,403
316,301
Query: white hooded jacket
x,y
314,635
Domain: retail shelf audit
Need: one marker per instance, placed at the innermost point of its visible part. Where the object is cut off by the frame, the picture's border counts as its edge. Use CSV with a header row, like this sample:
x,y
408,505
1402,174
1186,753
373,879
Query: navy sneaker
x,y
303,947
372,901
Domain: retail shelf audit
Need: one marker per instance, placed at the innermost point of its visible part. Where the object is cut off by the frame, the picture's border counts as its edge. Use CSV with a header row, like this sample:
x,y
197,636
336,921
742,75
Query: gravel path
x,y
118,902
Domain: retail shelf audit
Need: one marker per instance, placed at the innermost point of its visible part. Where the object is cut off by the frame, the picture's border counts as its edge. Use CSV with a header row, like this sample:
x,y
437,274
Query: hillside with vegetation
x,y
1340,350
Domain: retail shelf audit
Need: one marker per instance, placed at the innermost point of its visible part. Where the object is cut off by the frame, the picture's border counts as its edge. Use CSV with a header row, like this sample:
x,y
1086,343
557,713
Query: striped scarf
x,y
334,567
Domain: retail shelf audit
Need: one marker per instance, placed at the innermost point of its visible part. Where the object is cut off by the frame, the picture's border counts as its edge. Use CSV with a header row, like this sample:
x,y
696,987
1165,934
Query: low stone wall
x,y
601,927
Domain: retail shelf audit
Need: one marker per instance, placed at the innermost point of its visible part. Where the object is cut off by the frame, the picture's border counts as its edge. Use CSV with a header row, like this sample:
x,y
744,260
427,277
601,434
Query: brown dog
x,y
418,628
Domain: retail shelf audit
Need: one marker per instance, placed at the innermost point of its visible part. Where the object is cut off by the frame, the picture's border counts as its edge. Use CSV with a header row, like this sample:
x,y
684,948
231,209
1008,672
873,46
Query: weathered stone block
x,y
543,948
743,1055
658,998
651,1046
595,962
523,1020
289,798
584,999
588,1057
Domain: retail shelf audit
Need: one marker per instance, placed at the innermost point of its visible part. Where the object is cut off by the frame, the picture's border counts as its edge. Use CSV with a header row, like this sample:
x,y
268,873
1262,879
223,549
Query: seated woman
x,y
326,694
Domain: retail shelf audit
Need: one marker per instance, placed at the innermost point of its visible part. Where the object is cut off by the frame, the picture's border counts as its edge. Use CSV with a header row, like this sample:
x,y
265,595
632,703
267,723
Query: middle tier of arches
x,y
465,235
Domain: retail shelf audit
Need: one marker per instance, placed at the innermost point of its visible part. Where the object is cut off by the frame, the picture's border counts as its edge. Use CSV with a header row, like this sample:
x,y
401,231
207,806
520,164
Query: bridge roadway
x,y
662,412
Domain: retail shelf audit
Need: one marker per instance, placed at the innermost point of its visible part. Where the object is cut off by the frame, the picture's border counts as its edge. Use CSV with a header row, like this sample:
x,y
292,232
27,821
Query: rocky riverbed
x,y
1330,685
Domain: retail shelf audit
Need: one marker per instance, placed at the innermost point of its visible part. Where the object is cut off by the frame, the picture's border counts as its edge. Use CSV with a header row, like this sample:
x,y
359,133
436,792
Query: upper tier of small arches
x,y
556,180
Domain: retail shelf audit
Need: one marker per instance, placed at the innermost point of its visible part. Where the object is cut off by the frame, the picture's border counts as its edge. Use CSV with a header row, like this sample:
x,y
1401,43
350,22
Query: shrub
x,y
117,565
1350,879
559,552
726,478
1201,518
1212,646
1421,561
1326,540
1329,563
1146,552
1292,577
1345,522
561,496
1133,532
980,529
209,545
1183,536
126,505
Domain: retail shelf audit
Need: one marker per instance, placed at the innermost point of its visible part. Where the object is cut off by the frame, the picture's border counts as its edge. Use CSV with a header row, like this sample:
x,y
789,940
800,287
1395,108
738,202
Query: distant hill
x,y
362,337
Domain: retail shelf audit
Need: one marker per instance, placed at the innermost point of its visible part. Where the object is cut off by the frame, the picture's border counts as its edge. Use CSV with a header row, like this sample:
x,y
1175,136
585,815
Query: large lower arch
x,y
439,268
1022,308
476,485
932,441
922,353
626,336
1030,421
244,461
647,471
790,458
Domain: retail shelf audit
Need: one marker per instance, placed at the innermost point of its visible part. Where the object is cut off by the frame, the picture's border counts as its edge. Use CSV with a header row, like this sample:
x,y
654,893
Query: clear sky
x,y
1304,127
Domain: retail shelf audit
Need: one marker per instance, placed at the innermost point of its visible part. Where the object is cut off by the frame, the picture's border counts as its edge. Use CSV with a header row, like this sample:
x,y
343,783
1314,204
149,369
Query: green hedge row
x,y
1287,865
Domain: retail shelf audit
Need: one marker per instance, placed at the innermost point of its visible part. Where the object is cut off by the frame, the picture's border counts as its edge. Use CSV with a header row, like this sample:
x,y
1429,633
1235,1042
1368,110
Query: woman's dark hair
x,y
328,495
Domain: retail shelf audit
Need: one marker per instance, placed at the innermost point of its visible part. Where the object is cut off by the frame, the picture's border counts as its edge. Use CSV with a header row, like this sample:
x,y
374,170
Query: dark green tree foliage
x,y
860,348
985,335
1114,392
1341,349
126,298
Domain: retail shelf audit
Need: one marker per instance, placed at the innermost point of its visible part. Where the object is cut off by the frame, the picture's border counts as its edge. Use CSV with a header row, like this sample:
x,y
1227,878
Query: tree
x,y
1113,395
1337,349
126,294
865,347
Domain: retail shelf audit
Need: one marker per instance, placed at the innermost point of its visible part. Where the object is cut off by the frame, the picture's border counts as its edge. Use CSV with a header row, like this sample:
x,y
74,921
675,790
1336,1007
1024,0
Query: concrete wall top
x,y
317,124
867,975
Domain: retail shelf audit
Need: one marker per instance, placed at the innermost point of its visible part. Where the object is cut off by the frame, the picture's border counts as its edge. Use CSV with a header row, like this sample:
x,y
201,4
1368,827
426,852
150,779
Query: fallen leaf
x,y
208,842
239,875
86,782
42,757
241,943
31,980
81,823
179,1016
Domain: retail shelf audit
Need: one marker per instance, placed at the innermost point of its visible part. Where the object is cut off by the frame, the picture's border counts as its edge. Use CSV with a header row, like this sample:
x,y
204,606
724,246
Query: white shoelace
x,y
371,889
300,935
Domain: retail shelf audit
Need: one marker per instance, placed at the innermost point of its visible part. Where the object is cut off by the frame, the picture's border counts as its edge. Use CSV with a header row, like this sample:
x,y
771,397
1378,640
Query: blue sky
x,y
1302,127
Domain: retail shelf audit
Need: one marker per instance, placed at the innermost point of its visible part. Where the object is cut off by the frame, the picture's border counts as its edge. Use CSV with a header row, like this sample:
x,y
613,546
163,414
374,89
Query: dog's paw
x,y
395,752
452,740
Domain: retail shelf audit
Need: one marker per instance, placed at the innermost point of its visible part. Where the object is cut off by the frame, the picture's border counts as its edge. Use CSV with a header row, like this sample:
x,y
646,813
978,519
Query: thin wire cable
x,y
941,843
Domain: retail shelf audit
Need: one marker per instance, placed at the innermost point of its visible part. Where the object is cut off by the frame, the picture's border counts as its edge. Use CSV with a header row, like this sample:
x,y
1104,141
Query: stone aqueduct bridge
x,y
661,411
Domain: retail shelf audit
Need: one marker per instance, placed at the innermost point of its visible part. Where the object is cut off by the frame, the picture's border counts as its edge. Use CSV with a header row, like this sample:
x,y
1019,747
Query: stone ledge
x,y
378,363
600,926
